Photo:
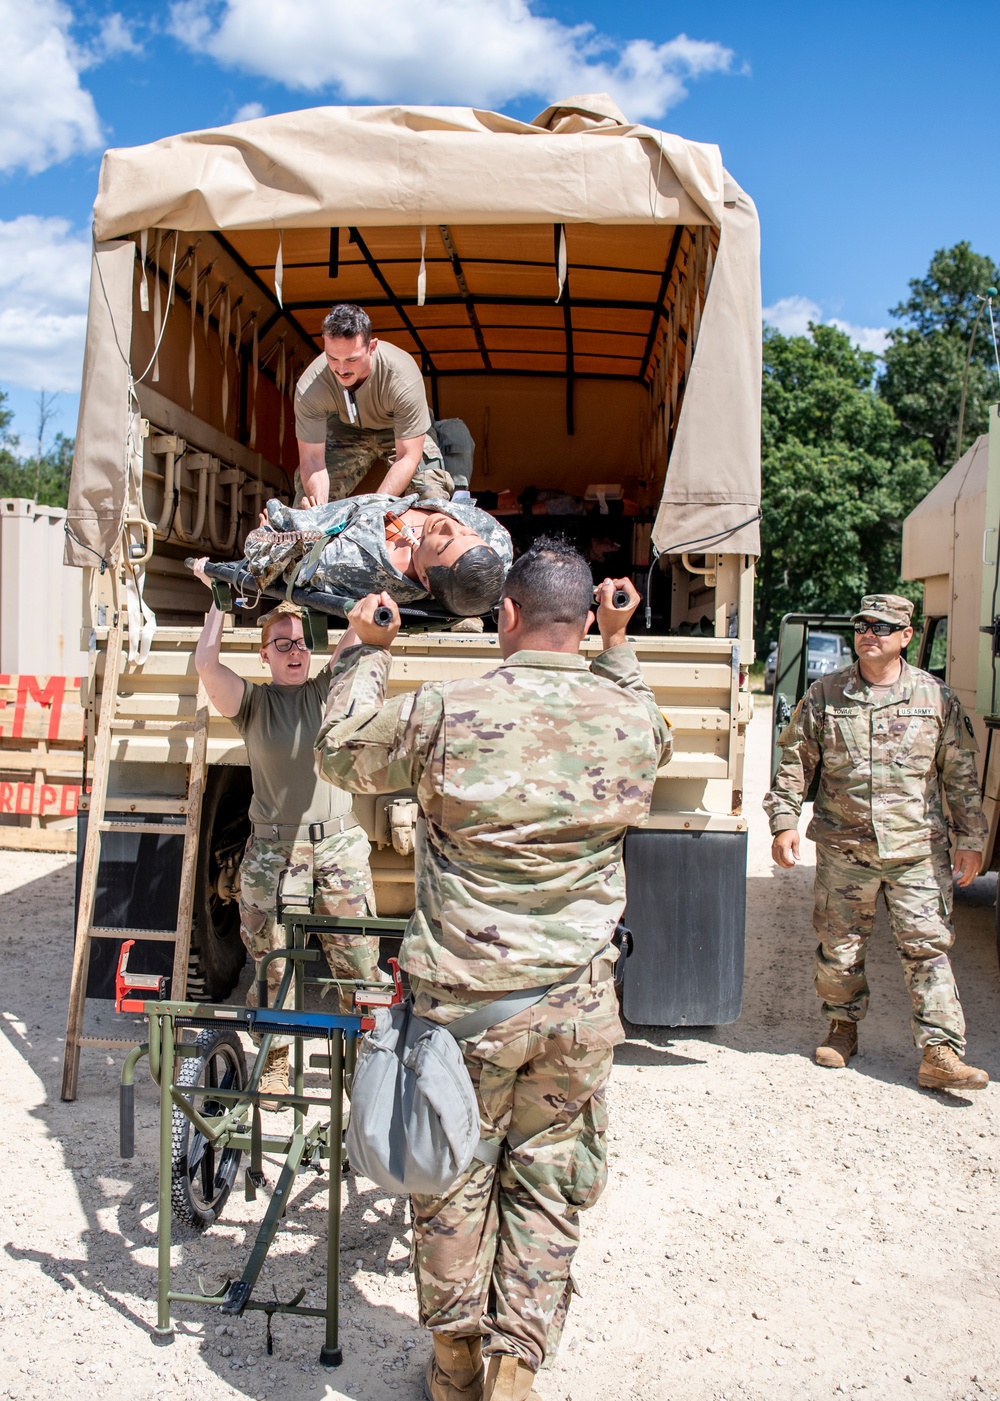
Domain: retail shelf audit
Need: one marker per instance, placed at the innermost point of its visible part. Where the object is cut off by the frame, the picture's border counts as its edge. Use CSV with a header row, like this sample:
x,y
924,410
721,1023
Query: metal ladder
x,y
163,817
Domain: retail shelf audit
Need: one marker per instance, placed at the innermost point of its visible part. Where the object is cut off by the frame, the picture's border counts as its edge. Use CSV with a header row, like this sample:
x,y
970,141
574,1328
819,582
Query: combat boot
x,y
508,1378
943,1069
274,1079
455,1372
840,1045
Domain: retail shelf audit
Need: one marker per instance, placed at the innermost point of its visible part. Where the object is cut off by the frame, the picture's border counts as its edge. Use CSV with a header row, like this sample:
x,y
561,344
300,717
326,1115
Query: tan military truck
x,y
584,294
951,544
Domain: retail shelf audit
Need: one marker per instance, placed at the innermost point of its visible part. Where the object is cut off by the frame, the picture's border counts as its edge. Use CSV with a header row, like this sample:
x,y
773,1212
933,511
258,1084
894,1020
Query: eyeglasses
x,y
495,610
285,644
879,629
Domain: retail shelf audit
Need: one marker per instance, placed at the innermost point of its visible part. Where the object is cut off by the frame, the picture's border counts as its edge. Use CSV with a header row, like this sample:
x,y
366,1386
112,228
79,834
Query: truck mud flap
x,y
687,913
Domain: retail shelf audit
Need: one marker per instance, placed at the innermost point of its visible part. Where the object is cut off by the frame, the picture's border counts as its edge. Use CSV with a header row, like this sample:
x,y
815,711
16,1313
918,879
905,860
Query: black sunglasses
x,y
879,629
495,610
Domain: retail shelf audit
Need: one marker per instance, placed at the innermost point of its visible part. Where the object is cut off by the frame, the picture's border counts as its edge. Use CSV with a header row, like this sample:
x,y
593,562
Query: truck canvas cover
x,y
580,168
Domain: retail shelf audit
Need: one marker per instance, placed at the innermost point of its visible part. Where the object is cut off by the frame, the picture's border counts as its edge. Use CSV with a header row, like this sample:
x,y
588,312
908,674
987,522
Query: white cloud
x,y
874,338
114,38
469,51
249,112
44,288
45,114
792,315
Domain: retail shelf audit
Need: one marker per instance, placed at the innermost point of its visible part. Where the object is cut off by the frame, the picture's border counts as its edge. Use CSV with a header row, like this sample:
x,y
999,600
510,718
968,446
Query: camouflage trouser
x,y
351,453
335,871
918,897
493,1255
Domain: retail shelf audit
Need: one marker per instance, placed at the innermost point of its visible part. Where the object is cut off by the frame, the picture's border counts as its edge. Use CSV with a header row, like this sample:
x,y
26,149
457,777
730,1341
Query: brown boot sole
x,y
927,1080
830,1059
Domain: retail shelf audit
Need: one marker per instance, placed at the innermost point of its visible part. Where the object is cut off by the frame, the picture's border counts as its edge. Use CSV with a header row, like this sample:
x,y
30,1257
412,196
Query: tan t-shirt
x,y
279,725
393,396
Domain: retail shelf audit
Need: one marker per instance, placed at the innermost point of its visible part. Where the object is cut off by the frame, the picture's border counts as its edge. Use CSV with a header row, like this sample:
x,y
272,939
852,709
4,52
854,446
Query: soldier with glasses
x,y
303,831
891,741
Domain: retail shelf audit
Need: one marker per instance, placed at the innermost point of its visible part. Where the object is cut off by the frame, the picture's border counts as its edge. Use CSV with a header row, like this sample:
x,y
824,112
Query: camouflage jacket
x,y
887,758
526,781
355,561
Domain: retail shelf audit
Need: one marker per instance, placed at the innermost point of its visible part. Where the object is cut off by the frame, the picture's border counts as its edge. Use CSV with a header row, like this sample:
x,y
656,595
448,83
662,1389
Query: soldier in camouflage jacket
x,y
527,779
893,745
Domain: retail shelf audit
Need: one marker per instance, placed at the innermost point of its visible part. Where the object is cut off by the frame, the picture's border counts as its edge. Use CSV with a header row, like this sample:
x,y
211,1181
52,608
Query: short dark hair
x,y
552,582
345,321
471,585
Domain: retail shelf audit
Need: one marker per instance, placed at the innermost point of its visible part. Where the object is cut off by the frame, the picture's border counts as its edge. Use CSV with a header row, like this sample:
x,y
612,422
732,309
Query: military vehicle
x,y
584,293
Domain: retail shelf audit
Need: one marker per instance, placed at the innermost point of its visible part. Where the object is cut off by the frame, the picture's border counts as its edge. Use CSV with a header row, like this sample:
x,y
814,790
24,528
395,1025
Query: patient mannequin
x,y
408,548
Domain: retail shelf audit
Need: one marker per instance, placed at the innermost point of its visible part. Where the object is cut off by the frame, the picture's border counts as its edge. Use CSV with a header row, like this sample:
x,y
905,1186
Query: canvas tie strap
x,y
136,544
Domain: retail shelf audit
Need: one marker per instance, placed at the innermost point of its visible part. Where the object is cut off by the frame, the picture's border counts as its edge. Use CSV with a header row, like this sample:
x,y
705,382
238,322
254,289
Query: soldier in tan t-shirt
x,y
302,828
360,403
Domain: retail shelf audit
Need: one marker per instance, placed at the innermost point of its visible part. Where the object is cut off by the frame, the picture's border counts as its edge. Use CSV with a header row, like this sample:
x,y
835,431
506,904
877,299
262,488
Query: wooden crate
x,y
41,761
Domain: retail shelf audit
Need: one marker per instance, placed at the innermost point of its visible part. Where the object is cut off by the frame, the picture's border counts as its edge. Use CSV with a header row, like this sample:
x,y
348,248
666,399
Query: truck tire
x,y
217,951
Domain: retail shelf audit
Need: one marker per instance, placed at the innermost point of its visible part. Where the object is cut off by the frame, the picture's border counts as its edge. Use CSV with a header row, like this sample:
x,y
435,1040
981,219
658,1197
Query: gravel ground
x,y
771,1230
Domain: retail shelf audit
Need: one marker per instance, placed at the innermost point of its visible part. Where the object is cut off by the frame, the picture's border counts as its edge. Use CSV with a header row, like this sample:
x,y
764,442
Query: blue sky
x,y
863,132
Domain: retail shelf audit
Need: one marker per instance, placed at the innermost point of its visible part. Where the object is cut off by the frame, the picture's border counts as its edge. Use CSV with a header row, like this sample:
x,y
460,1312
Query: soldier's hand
x,y
613,622
362,620
198,570
967,866
785,848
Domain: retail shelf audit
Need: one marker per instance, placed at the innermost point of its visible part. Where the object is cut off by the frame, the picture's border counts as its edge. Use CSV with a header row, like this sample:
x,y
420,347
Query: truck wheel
x,y
201,1177
217,951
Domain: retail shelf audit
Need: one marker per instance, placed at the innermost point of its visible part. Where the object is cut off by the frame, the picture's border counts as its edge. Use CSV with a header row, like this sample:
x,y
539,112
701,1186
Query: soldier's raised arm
x,y
367,744
618,662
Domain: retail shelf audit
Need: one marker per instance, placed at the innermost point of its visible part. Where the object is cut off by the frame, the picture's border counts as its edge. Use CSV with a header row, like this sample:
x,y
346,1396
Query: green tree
x,y
926,356
837,478
47,474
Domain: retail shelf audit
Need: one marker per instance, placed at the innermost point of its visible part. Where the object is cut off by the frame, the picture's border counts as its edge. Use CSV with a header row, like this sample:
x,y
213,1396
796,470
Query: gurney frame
x,y
205,1128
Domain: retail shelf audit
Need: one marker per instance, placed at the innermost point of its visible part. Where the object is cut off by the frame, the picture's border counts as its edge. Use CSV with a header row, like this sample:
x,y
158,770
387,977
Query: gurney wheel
x,y
201,1176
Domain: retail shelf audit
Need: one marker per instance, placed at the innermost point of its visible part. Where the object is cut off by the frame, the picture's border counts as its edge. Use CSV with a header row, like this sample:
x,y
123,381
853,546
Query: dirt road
x,y
771,1230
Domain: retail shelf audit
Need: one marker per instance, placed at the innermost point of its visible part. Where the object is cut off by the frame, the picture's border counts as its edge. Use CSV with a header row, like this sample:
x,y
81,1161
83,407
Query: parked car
x,y
828,651
770,667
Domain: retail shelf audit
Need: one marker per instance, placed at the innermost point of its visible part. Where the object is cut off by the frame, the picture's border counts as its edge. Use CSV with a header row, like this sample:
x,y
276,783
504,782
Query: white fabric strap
x,y
422,274
143,284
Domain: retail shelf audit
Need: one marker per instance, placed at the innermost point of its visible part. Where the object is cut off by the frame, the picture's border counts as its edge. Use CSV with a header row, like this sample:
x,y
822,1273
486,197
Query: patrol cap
x,y
885,608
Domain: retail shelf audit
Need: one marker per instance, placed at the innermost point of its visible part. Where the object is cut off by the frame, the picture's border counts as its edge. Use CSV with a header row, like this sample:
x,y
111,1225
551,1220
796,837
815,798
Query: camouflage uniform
x,y
336,874
356,560
879,825
278,725
351,453
526,779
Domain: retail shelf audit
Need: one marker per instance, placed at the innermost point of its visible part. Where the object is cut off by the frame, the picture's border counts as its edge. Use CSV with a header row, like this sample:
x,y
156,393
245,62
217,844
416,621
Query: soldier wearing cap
x,y
890,740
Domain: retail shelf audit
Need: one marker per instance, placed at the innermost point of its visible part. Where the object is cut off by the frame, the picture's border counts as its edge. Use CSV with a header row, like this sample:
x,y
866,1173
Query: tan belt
x,y
311,832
